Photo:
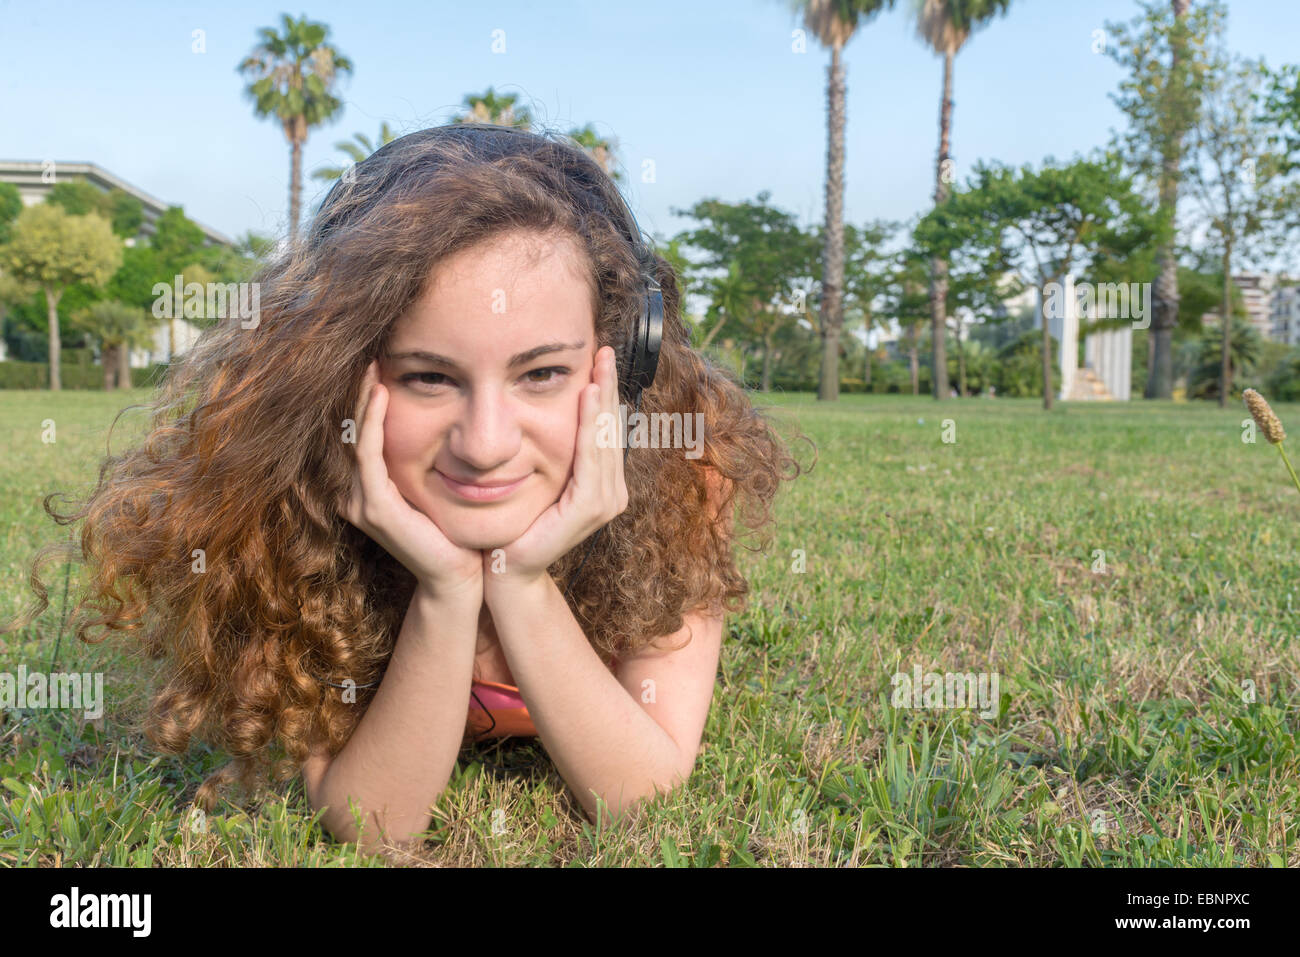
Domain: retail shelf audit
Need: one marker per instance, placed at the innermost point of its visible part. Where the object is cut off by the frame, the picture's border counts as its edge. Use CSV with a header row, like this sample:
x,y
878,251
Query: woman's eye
x,y
551,374
411,376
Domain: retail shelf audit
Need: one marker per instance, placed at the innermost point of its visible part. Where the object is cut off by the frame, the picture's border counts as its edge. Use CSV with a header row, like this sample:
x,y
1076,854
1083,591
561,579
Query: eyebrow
x,y
519,359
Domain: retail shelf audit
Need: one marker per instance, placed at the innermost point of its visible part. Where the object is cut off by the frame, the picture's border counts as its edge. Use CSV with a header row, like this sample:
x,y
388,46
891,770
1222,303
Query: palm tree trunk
x,y
1160,378
828,389
52,317
1047,349
938,266
295,186
124,366
1225,368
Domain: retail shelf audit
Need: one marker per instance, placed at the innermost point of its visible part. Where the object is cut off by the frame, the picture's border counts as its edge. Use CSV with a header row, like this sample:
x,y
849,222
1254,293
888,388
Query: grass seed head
x,y
1264,416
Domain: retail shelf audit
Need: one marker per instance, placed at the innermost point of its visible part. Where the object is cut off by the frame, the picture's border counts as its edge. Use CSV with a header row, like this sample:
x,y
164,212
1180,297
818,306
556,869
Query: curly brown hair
x,y
243,460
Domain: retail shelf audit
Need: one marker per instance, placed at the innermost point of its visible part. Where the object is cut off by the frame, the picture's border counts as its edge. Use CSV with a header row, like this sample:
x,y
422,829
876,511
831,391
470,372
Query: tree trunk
x,y
1047,349
295,185
1160,379
938,266
866,371
961,363
124,366
916,368
712,332
1225,367
765,382
828,389
52,316
108,360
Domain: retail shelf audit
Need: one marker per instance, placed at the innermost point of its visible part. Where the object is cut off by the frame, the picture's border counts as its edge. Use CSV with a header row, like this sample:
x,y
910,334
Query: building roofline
x,y
91,169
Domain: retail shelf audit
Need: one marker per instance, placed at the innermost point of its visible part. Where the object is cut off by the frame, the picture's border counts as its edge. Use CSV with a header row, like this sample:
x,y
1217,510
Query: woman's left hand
x,y
594,495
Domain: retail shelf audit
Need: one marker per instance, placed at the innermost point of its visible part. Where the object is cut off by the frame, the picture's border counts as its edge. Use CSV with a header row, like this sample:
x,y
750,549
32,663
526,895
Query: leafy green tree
x,y
1062,218
754,256
117,328
833,23
123,211
1207,379
134,280
945,26
1282,112
868,270
1284,384
977,257
908,303
1237,180
177,239
1163,53
1021,370
54,250
293,74
11,204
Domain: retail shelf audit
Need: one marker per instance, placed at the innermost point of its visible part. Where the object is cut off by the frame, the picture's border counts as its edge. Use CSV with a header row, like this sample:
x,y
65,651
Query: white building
x,y
35,178
1285,315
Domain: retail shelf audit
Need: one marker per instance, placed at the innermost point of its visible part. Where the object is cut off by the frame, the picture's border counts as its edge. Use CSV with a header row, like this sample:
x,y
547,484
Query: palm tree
x,y
491,107
293,74
945,26
358,151
598,148
833,23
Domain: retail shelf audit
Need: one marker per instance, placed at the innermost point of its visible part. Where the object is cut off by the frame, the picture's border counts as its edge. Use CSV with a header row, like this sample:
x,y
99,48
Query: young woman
x,y
381,522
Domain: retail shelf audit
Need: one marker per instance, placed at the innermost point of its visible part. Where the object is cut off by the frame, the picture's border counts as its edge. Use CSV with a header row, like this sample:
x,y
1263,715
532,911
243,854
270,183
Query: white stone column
x,y
1069,344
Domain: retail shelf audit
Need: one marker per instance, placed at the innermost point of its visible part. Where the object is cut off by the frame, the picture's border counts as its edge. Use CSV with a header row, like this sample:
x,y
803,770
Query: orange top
x,y
503,705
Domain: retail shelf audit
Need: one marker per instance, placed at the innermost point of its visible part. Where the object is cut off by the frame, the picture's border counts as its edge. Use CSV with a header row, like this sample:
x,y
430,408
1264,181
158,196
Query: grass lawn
x,y
1127,571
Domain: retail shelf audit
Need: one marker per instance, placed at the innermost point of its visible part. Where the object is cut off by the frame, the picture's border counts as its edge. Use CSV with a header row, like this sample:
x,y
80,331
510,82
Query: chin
x,y
481,532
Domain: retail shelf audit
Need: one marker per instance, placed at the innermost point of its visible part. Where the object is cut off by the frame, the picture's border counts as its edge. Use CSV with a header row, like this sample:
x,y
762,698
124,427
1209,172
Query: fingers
x,y
602,468
351,505
370,444
613,457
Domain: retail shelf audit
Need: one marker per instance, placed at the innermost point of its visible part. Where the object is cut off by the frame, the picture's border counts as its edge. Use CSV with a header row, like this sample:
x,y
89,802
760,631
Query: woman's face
x,y
484,375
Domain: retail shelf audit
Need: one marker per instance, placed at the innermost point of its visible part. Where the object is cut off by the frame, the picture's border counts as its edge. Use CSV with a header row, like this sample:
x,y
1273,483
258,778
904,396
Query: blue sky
x,y
709,90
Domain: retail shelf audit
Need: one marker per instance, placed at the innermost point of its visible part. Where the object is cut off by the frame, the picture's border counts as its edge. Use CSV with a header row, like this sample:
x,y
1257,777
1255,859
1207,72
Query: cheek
x,y
562,432
406,437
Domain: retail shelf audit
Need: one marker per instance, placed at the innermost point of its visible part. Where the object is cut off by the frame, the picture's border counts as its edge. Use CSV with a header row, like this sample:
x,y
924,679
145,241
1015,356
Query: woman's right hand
x,y
381,511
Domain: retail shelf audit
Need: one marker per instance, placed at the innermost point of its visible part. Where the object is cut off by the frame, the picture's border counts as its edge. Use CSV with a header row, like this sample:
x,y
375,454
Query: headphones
x,y
639,358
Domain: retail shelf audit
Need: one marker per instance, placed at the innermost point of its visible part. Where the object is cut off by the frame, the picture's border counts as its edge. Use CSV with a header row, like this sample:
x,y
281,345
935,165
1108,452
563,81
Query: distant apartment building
x,y
1270,303
1257,293
1286,315
34,179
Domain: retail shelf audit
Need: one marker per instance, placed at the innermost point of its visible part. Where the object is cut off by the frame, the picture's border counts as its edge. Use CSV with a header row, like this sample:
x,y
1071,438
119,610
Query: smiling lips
x,y
481,492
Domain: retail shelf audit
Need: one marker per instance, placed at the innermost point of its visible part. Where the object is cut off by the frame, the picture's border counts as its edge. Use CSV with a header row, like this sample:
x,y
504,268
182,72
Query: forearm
x,y
401,754
601,740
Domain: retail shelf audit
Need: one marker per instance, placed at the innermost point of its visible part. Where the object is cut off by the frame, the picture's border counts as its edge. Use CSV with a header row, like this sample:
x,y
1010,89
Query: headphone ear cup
x,y
627,364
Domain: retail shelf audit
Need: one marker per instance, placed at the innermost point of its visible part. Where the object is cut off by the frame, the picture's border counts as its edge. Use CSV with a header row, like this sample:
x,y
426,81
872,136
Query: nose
x,y
485,434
